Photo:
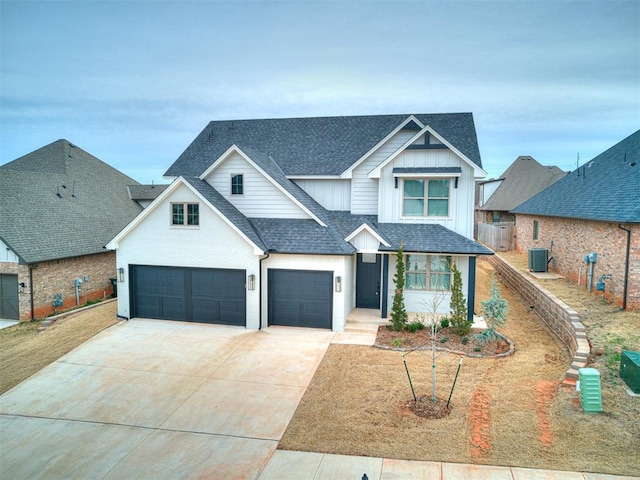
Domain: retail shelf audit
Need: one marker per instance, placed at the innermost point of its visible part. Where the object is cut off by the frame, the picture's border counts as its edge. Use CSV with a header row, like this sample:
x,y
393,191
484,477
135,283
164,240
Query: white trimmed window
x,y
237,184
427,272
185,214
425,197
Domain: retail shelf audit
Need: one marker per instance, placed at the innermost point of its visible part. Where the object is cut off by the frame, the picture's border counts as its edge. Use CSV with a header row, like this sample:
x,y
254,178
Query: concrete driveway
x,y
156,399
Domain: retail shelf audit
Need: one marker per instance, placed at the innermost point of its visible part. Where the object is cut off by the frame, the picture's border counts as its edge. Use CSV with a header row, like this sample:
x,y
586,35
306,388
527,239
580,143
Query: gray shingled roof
x,y
315,146
301,236
524,178
418,238
93,204
605,188
428,238
145,192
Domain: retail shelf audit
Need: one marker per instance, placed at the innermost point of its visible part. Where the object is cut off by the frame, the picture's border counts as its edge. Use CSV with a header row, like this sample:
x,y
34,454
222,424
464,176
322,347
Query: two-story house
x,y
297,221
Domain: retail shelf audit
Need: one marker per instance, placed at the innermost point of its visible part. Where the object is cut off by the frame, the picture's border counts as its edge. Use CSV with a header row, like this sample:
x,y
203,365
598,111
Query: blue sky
x,y
134,82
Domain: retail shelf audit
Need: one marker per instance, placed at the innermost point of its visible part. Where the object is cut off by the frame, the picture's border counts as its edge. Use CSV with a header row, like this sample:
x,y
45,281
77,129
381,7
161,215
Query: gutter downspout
x,y
626,267
31,290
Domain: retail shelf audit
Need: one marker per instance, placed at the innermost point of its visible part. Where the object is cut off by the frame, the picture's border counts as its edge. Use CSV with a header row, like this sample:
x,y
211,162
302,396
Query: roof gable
x,y
605,188
270,171
375,173
210,197
79,201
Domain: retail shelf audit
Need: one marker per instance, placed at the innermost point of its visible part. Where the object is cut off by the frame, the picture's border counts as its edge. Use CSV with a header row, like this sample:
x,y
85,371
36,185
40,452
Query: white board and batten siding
x,y
340,265
365,242
460,218
332,194
212,244
260,198
364,190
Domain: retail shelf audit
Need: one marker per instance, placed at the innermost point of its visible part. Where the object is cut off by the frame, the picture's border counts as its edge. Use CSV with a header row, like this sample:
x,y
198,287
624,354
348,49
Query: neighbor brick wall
x,y
561,319
573,239
57,276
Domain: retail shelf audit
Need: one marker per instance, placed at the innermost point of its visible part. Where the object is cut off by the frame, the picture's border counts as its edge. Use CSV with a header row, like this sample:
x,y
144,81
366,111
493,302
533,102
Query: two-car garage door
x,y
202,295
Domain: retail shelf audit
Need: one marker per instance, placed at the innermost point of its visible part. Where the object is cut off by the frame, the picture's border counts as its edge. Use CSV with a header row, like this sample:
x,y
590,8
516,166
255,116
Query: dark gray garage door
x,y
300,298
201,295
9,297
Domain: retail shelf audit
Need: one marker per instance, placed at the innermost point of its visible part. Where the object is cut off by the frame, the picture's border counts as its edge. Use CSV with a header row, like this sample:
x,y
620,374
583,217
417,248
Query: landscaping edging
x,y
54,318
455,352
561,319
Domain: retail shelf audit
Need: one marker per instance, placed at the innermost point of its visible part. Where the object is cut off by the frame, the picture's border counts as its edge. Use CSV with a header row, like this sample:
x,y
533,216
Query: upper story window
x,y
185,214
428,272
426,198
237,184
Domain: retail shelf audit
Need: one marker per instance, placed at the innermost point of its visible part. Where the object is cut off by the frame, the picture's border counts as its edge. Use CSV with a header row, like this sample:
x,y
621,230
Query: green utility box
x,y
590,393
630,370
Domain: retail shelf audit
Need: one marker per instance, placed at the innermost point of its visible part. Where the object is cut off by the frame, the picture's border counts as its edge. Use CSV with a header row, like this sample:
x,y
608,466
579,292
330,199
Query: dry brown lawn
x,y
26,348
511,411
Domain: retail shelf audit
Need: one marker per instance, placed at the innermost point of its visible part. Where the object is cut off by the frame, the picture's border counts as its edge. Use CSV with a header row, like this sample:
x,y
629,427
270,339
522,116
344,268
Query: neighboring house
x,y
594,209
58,209
297,221
524,178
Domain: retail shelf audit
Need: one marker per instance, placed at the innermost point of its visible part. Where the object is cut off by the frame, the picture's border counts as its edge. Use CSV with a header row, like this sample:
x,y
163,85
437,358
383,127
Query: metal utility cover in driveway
x,y
300,298
202,295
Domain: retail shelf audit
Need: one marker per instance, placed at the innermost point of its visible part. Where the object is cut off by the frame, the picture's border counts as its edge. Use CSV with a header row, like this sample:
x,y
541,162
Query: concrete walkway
x,y
154,399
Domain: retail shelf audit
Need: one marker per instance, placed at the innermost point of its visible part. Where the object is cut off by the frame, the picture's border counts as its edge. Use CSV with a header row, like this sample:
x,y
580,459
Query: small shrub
x,y
444,323
459,323
415,326
477,349
397,342
398,313
464,340
444,339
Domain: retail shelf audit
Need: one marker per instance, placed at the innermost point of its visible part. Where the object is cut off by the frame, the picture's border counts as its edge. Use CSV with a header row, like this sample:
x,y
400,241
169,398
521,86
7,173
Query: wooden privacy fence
x,y
498,237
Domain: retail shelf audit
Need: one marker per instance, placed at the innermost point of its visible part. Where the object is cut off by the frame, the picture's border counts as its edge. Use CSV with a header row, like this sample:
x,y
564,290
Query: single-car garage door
x,y
201,295
9,297
300,298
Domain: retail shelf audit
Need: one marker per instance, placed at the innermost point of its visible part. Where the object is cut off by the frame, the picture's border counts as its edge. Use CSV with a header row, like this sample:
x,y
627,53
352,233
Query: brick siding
x,y
57,276
561,319
573,239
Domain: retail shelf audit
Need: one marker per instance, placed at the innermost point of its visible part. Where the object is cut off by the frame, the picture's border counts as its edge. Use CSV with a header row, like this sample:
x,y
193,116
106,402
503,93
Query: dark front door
x,y
368,280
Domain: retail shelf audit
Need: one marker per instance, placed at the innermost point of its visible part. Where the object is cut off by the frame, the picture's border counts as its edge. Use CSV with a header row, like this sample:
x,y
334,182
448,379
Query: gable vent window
x,y
426,198
237,184
185,214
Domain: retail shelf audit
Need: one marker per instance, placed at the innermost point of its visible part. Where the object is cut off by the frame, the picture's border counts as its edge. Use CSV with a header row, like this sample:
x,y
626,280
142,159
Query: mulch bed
x,y
445,340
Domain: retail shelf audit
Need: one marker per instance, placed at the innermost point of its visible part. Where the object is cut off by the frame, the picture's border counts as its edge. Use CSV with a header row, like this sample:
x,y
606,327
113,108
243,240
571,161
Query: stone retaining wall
x,y
561,319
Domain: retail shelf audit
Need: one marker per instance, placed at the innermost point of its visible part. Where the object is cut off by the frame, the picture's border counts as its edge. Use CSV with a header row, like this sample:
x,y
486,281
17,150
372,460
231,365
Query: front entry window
x,y
428,272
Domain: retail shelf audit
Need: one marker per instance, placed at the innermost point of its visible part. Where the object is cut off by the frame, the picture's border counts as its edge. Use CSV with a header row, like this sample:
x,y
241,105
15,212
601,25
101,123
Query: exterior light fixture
x,y
21,287
252,282
338,284
121,275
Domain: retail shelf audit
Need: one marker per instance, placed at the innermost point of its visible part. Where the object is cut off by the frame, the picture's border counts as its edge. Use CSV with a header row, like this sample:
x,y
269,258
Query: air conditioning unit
x,y
538,259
